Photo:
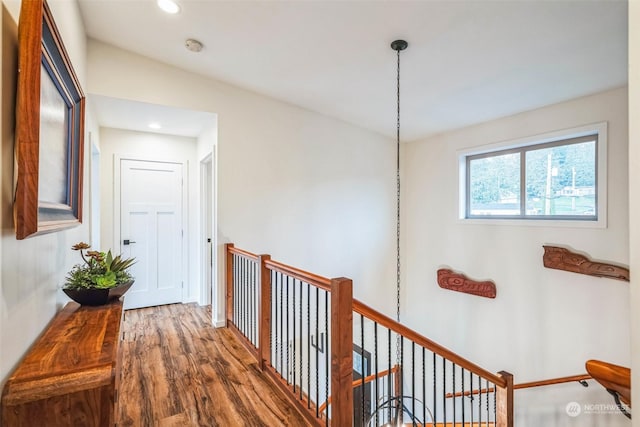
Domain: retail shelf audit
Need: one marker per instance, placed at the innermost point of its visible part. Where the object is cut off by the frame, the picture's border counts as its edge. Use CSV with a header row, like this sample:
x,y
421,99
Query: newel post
x,y
264,312
341,352
229,281
504,401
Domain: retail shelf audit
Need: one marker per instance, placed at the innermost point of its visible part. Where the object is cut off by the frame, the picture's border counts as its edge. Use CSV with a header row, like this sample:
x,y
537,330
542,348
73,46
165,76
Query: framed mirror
x,y
49,128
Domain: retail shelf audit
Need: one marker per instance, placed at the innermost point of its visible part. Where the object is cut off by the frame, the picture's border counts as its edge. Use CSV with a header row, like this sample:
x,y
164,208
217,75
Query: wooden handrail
x,y
305,276
612,377
552,381
246,254
532,384
389,323
358,383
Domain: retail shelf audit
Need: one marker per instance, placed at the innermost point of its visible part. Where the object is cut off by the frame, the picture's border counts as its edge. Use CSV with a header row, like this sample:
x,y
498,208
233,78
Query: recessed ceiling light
x,y
154,125
168,6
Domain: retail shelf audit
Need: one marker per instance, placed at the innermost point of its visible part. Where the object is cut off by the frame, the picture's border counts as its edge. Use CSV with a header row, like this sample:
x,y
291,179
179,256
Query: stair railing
x,y
306,332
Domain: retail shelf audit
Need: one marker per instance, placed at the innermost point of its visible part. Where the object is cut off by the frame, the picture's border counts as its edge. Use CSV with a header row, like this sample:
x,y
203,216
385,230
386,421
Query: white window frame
x,y
601,170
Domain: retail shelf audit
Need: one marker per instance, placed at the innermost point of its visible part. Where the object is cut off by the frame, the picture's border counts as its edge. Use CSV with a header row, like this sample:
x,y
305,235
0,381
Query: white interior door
x,y
151,230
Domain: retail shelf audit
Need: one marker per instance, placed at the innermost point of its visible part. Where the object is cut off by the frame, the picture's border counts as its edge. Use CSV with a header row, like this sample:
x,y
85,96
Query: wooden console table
x,y
70,375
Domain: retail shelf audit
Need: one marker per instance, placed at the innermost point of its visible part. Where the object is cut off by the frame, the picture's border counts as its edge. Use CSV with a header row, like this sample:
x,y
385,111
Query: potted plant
x,y
101,278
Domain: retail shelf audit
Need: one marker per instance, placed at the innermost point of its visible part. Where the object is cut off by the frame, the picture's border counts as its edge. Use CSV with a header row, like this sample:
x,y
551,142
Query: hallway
x,y
177,370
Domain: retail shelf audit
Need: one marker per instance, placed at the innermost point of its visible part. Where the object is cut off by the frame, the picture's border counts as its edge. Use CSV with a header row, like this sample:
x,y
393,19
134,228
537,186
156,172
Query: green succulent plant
x,y
100,270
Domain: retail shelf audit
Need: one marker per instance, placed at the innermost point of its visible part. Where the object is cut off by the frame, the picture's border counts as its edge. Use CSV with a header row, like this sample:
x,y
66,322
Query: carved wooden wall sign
x,y
447,279
564,259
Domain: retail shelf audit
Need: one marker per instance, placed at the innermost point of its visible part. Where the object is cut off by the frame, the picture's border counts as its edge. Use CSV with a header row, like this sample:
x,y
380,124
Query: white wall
x,y
152,146
544,323
312,191
32,270
634,195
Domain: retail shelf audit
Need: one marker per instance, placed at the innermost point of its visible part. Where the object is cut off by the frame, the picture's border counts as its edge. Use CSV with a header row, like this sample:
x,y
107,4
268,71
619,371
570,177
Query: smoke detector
x,y
193,45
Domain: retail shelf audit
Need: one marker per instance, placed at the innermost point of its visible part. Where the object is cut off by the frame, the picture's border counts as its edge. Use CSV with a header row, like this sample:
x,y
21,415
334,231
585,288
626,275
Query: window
x,y
542,178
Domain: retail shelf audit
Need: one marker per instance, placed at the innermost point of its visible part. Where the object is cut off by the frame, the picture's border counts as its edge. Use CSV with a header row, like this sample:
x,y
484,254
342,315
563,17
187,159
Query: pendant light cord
x,y
398,45
398,193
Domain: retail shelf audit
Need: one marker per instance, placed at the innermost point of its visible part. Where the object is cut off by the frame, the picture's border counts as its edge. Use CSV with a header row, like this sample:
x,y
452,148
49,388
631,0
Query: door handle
x,y
127,242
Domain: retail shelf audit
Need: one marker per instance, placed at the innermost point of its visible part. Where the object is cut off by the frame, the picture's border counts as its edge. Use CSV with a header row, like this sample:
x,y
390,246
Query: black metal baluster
x,y
317,353
480,400
248,296
236,273
473,417
326,359
288,336
444,390
308,346
243,304
240,281
281,325
237,295
272,305
248,299
252,285
463,395
453,390
293,343
250,303
495,392
488,416
375,352
424,389
389,393
413,380
300,336
401,388
247,307
243,278
471,395
254,305
254,312
363,373
435,381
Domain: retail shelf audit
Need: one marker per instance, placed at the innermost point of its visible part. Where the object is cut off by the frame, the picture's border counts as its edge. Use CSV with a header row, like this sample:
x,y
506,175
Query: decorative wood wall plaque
x,y
564,259
447,279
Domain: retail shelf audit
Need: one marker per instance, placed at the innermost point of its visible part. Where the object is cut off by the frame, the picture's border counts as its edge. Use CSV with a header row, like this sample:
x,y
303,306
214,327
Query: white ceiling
x,y
467,61
133,115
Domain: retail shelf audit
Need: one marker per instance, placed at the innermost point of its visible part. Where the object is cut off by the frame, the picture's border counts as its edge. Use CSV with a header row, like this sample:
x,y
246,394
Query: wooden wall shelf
x,y
563,259
447,279
70,375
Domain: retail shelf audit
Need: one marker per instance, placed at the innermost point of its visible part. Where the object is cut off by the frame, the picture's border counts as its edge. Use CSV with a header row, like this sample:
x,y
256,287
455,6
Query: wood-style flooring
x,y
177,370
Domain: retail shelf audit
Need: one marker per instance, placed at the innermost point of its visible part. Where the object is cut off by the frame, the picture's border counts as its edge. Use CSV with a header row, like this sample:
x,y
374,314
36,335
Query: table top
x,y
77,351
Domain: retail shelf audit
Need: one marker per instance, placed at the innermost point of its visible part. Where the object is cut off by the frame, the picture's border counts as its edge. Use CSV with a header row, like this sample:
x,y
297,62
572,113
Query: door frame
x,y
117,209
207,221
217,293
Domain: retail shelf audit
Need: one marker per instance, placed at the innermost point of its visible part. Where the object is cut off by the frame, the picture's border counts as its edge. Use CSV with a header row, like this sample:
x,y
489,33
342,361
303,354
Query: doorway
x,y
151,230
207,239
178,136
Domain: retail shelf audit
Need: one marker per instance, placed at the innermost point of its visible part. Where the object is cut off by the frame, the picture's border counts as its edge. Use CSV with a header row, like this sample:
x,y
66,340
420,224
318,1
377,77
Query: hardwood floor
x,y
177,370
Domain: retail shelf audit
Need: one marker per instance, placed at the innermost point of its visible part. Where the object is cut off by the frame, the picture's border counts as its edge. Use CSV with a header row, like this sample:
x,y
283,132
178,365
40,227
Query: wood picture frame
x,y
49,128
